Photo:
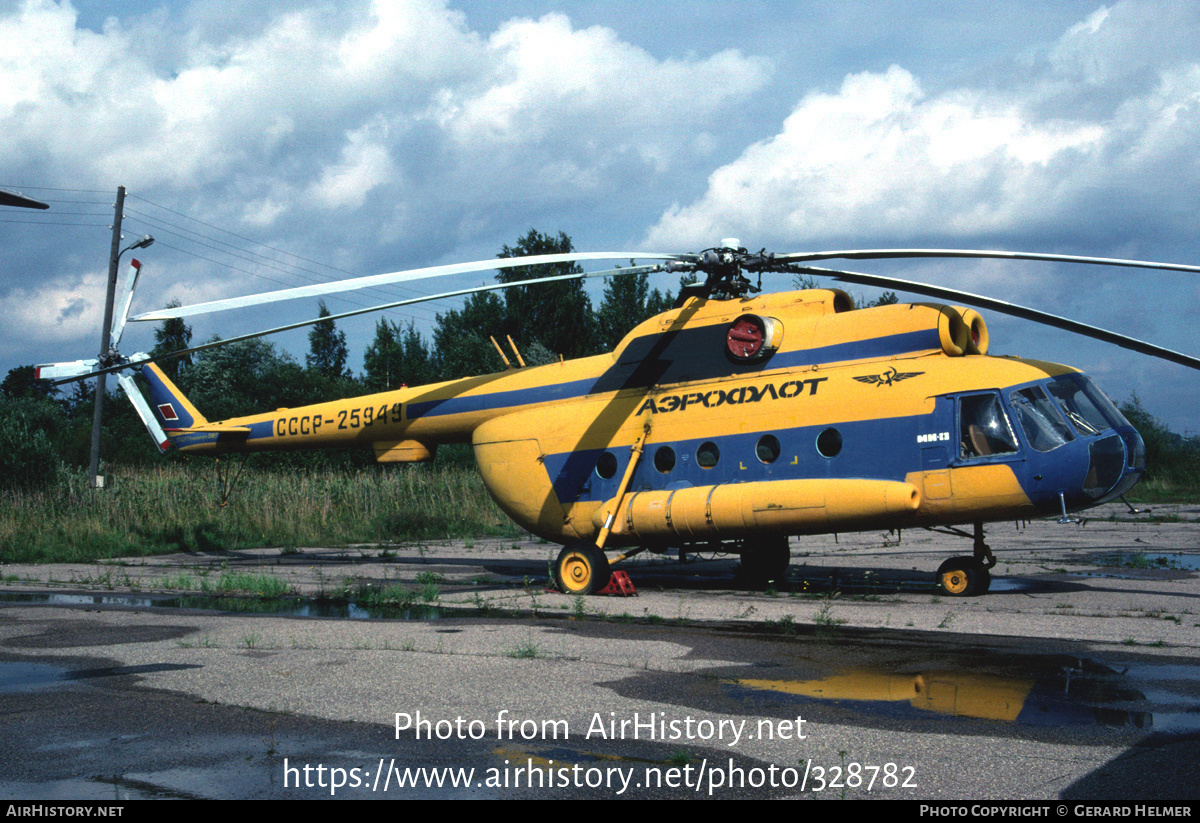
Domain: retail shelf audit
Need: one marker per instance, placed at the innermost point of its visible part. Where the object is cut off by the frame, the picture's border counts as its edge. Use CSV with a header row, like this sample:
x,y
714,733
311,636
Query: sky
x,y
283,143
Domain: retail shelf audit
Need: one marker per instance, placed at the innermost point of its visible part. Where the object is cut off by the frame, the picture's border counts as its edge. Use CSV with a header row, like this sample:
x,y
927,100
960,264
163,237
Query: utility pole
x,y
106,335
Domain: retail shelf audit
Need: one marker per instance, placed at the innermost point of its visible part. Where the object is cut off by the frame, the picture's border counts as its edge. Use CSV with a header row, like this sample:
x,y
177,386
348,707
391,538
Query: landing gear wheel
x,y
963,577
768,559
581,568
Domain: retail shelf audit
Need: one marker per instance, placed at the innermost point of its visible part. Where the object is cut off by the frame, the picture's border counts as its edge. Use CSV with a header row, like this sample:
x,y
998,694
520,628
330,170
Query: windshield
x,y
1039,418
1085,405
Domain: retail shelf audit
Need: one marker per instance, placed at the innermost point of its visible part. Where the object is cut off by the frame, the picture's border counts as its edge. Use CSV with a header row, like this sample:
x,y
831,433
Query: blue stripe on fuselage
x,y
498,400
718,367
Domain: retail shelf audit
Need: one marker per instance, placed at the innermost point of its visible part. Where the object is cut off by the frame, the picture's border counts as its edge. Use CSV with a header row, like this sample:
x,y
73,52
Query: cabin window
x,y
664,459
708,455
767,450
829,443
1039,418
606,466
984,430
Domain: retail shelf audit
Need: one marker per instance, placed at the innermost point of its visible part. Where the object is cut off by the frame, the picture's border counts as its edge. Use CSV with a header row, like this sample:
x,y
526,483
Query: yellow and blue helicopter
x,y
735,420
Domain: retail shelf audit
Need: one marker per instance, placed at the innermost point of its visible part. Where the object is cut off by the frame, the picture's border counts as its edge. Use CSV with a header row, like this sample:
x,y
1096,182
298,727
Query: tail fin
x,y
174,411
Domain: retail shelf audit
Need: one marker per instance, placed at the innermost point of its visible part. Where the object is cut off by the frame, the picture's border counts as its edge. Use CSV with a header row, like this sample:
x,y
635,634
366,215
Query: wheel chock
x,y
620,585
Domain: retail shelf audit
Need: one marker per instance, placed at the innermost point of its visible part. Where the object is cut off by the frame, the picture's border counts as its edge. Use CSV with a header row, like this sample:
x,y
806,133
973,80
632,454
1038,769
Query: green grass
x,y
172,508
1159,490
256,585
394,594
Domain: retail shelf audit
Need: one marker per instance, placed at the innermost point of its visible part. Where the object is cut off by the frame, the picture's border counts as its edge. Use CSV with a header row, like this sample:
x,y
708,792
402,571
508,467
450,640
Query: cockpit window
x,y
984,430
1077,403
1039,418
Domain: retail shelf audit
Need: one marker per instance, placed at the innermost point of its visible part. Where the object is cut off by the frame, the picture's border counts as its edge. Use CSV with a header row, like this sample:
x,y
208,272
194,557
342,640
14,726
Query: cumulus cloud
x,y
1084,128
340,133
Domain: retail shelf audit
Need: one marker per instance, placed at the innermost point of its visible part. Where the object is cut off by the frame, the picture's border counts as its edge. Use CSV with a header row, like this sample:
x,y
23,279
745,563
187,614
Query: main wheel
x,y
767,560
581,568
963,577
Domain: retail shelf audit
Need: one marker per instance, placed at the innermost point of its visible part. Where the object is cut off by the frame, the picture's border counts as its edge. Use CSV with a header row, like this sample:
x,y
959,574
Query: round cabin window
x,y
829,443
767,450
664,459
606,466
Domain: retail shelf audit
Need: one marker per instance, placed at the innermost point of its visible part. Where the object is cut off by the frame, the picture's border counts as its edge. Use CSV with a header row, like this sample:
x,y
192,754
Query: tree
x,y
417,366
173,335
381,360
461,344
396,358
558,315
28,459
21,382
327,348
625,304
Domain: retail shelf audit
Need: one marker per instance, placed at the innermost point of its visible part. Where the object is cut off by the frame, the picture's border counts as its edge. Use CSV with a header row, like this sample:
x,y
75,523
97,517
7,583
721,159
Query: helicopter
x,y
733,421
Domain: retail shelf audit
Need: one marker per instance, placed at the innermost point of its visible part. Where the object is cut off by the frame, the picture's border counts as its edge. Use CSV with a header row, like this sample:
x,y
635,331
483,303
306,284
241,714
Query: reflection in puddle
x,y
282,607
1081,693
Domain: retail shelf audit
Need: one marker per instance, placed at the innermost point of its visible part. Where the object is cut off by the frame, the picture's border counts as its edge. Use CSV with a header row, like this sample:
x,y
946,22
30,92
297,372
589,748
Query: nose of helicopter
x,y
1089,455
1116,462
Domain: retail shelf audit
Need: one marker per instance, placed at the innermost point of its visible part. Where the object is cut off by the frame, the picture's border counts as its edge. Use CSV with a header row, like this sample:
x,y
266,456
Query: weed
x,y
786,625
679,757
578,607
525,649
178,582
393,596
255,585
947,620
824,619
430,593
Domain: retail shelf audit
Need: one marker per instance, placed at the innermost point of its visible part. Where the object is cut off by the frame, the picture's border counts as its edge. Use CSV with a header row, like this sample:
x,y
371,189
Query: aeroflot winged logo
x,y
888,377
732,397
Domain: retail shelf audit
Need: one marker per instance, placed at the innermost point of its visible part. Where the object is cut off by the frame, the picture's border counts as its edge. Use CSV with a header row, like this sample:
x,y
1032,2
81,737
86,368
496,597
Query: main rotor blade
x,y
1004,307
392,278
131,278
11,198
887,254
329,318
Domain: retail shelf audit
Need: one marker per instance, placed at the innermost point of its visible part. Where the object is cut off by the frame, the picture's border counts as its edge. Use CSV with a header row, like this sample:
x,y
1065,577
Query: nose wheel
x,y
581,568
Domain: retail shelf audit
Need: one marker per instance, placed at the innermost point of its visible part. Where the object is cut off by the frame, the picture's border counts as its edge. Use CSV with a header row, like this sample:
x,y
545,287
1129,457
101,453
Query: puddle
x,y
1079,693
18,677
1151,560
282,607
